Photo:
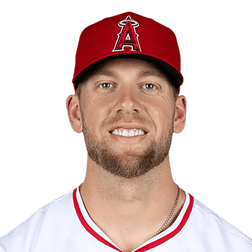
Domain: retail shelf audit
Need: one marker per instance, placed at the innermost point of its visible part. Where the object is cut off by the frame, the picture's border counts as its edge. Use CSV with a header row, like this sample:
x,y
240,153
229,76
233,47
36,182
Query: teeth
x,y
126,133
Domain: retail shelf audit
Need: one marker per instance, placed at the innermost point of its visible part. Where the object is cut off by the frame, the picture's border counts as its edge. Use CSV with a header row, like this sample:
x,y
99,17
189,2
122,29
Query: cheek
x,y
161,113
94,110
162,117
161,106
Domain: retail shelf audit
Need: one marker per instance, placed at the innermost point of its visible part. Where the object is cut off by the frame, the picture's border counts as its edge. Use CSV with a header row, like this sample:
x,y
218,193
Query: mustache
x,y
133,118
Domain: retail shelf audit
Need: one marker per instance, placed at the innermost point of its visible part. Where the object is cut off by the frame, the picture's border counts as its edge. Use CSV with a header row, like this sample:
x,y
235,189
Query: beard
x,y
130,164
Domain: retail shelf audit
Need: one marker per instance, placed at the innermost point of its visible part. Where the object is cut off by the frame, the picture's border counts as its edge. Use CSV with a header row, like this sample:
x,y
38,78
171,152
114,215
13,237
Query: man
x,y
127,104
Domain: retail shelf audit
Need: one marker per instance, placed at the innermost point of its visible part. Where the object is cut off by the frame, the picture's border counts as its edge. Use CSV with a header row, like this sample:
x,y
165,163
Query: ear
x,y
180,114
74,113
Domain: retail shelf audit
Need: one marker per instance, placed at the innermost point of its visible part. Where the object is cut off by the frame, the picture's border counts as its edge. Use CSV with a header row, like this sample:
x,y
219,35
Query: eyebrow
x,y
150,72
142,73
105,72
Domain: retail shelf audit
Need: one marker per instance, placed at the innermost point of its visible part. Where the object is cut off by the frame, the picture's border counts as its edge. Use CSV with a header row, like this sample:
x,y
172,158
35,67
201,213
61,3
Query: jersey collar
x,y
166,235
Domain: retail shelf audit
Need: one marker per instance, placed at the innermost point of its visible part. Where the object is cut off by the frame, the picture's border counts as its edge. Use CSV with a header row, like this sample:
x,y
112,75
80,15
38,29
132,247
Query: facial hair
x,y
131,164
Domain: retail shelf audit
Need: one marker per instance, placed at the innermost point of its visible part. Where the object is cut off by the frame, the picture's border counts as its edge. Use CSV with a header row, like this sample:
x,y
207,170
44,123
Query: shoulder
x,y
210,227
27,232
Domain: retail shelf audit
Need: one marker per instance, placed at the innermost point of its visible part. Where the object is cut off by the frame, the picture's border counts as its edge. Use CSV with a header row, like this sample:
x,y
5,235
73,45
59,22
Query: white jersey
x,y
64,225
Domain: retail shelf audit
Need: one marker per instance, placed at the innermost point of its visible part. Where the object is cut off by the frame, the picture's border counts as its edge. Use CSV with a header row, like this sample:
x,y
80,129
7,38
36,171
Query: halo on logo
x,y
133,22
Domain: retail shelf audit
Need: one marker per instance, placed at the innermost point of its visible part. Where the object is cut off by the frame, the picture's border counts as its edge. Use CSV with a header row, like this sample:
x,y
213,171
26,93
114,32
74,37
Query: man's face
x,y
128,95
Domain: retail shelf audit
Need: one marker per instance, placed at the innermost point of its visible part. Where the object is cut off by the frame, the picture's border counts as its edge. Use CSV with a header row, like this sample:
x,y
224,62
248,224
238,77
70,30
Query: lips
x,y
121,129
129,127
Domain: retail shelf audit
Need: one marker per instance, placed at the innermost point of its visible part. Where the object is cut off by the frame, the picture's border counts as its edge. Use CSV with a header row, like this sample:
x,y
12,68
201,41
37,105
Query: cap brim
x,y
177,77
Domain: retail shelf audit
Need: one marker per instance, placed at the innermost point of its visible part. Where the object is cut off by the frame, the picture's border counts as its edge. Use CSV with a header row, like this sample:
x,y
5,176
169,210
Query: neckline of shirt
x,y
95,231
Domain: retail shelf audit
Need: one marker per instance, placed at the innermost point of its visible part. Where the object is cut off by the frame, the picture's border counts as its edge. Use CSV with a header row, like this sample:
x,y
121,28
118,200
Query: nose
x,y
128,98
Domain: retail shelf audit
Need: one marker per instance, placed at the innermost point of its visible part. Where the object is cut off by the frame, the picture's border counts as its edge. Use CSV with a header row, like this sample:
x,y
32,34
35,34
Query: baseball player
x,y
127,104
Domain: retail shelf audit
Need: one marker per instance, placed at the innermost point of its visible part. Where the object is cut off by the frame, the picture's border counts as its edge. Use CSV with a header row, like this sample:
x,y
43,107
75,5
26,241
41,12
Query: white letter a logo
x,y
128,36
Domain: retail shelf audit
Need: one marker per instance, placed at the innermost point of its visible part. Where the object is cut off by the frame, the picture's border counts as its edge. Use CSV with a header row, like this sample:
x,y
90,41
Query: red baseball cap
x,y
128,35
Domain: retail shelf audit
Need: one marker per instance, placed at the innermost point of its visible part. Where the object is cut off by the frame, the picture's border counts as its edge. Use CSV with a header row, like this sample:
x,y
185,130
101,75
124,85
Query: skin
x,y
134,204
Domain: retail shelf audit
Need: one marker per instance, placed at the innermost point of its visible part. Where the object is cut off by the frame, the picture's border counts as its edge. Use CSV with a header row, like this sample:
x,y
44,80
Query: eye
x,y
105,85
150,86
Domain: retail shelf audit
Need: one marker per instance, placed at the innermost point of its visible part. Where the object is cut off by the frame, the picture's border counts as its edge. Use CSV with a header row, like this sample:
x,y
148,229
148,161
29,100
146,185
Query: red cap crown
x,y
128,35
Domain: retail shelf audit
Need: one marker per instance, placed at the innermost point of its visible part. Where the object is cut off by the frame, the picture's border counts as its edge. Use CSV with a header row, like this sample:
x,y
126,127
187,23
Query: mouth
x,y
128,139
127,136
128,131
132,139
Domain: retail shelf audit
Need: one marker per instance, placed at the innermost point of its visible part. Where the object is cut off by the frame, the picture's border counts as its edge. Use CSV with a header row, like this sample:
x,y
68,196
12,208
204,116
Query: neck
x,y
129,206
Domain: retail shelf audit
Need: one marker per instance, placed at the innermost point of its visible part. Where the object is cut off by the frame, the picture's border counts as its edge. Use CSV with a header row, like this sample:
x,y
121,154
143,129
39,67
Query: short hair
x,y
92,69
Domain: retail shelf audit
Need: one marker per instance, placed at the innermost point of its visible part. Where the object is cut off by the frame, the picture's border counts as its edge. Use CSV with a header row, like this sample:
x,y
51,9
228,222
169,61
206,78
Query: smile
x,y
128,139
128,132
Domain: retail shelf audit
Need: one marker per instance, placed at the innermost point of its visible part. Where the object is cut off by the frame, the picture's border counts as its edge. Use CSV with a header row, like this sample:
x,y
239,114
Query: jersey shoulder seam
x,y
226,228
